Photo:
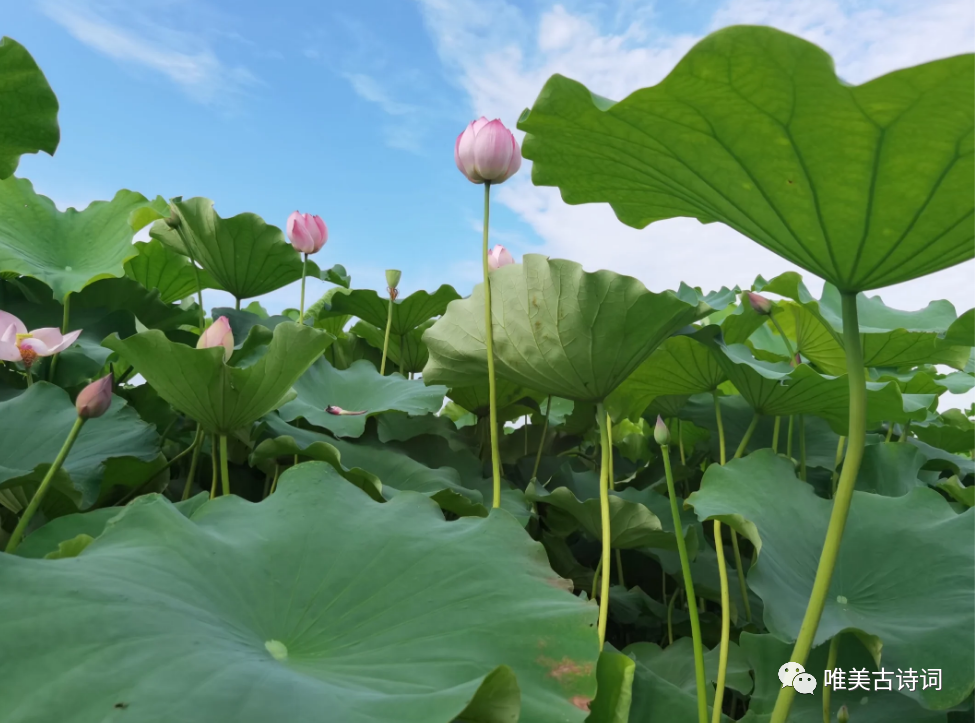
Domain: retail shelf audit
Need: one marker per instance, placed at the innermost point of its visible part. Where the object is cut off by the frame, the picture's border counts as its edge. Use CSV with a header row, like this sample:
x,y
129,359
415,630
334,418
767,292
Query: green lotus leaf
x,y
951,431
605,326
475,397
766,654
680,366
336,275
614,692
865,186
326,605
159,267
939,459
899,550
406,351
408,312
246,256
66,250
360,388
957,382
676,664
252,332
890,469
28,108
220,397
953,487
34,425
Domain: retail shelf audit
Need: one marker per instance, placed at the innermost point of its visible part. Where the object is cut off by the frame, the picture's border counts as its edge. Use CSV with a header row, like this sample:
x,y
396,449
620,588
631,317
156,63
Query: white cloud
x,y
502,59
184,58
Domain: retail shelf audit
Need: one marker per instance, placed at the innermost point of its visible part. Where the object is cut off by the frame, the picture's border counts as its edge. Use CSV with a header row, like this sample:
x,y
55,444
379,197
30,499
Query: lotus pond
x,y
563,498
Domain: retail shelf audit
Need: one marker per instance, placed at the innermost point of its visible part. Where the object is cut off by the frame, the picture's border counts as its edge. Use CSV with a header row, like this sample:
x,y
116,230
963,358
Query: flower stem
x,y
788,344
680,441
717,416
788,442
214,466
64,330
856,439
775,434
277,473
685,566
748,436
541,443
734,535
607,533
224,466
304,273
670,617
38,497
743,588
595,579
802,447
834,649
489,340
191,475
725,624
389,325
402,355
904,431
837,463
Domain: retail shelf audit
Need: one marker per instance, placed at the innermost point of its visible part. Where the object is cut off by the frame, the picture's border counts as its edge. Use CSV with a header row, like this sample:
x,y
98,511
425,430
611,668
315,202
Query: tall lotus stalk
x,y
392,281
93,401
307,234
486,152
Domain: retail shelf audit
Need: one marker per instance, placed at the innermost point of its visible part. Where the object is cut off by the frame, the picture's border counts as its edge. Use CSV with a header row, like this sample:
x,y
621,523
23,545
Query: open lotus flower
x,y
307,233
18,344
499,256
487,151
218,334
339,412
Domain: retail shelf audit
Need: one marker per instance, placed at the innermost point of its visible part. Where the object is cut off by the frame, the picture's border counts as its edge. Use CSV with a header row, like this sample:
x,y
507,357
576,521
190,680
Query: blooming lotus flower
x,y
498,257
487,151
307,233
218,334
18,344
95,399
339,412
759,303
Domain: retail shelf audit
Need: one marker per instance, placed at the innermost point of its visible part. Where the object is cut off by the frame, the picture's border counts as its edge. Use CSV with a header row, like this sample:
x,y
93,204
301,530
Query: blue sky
x,y
349,110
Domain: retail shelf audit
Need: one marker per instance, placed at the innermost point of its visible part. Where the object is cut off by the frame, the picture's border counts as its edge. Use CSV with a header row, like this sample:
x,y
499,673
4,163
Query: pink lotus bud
x,y
797,361
498,257
661,433
307,233
487,151
95,399
339,412
218,334
760,304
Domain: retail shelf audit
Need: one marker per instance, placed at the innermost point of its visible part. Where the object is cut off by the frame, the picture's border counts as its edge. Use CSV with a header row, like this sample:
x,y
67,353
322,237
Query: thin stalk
x,y
389,325
277,473
38,497
856,439
788,443
30,378
489,339
214,466
619,568
304,273
680,441
224,466
788,344
267,485
748,436
775,434
595,579
734,535
604,463
717,416
802,447
237,303
670,621
685,566
725,625
197,445
541,443
525,434
890,432
64,330
401,354
837,463
834,649
904,431
612,486
741,576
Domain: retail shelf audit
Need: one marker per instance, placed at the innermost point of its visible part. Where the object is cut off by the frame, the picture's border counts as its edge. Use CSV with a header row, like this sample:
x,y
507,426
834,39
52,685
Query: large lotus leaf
x,y
865,186
406,351
614,677
66,250
246,256
766,654
34,425
408,312
220,397
475,397
360,388
159,267
951,431
322,604
675,663
28,108
681,366
895,552
890,469
557,329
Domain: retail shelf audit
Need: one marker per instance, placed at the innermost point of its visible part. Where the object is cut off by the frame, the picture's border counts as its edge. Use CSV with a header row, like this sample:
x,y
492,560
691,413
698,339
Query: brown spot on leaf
x,y
561,583
566,669
581,702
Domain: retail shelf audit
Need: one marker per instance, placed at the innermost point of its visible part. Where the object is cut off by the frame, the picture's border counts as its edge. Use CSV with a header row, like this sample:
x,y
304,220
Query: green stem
x,y
775,434
788,443
541,443
680,441
237,303
489,339
717,416
802,447
748,436
224,466
30,378
595,579
788,344
277,473
197,445
214,466
619,568
304,273
741,576
725,625
904,431
670,613
890,432
604,462
64,330
856,439
685,566
402,355
38,497
389,325
837,463
834,649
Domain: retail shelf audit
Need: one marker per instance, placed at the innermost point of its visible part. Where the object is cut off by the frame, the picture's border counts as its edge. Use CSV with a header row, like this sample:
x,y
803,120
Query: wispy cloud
x,y
134,36
368,88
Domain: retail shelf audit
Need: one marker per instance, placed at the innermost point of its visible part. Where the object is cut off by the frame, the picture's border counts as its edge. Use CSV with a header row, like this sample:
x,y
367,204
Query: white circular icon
x,y
789,671
804,683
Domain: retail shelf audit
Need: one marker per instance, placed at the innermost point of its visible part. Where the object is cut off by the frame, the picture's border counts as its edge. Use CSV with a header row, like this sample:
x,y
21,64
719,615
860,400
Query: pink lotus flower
x,y
487,151
95,399
339,412
307,233
759,303
498,257
18,344
218,334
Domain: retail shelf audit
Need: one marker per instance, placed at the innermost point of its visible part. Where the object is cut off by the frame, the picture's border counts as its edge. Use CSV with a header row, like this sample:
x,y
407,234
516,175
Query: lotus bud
x,y
487,152
498,257
797,360
339,412
392,277
218,334
307,233
759,303
661,433
843,715
95,399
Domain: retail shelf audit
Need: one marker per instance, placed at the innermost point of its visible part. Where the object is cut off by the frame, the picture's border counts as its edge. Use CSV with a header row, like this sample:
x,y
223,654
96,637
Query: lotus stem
x,y
856,439
670,614
717,416
38,497
214,466
741,576
802,447
680,441
788,442
734,535
788,344
541,443
277,473
64,330
401,354
685,566
191,475
224,466
595,579
748,436
304,273
890,431
489,340
837,463
775,434
904,431
389,325
607,536
725,625
834,649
